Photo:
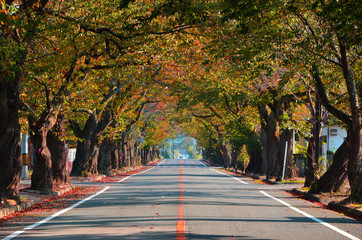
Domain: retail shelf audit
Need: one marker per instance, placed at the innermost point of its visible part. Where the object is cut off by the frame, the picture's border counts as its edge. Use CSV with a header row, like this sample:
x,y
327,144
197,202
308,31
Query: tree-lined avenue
x,y
215,206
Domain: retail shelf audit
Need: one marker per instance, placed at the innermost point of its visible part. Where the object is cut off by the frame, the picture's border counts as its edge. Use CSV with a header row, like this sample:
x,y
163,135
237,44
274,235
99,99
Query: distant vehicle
x,y
180,157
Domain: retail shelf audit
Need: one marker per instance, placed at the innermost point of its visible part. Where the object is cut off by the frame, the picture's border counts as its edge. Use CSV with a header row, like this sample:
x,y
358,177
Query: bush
x,y
243,159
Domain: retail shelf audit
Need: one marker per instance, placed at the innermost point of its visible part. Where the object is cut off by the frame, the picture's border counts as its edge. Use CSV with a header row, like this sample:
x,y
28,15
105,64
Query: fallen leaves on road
x,y
120,176
50,203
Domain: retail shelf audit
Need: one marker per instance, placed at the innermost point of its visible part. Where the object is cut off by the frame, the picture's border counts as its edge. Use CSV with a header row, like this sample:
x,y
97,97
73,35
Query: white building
x,y
71,154
333,137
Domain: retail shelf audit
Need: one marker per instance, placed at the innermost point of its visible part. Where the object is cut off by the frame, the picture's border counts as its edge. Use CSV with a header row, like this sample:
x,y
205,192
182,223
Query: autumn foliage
x,y
242,79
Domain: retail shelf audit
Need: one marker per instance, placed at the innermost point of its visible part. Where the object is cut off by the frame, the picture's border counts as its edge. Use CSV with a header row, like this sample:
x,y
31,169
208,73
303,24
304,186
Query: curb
x,y
332,205
210,163
12,209
61,192
308,196
343,208
352,212
28,203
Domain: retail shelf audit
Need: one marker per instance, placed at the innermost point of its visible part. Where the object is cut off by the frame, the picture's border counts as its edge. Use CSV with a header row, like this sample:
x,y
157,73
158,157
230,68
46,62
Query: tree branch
x,y
46,92
83,110
200,116
323,97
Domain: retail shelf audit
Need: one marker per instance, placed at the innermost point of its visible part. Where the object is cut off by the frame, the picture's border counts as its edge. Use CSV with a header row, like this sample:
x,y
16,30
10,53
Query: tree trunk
x,y
148,155
132,153
10,150
356,185
333,179
104,157
355,123
263,148
271,148
353,142
310,174
269,140
226,154
356,188
86,158
256,159
57,147
152,155
285,136
42,177
125,157
18,37
234,160
115,156
144,155
158,153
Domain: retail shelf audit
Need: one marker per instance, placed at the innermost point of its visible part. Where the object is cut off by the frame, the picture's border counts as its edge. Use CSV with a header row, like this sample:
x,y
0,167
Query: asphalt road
x,y
184,199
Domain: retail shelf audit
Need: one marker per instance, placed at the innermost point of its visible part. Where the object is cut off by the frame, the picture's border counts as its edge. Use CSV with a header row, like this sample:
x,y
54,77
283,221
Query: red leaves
x,y
50,203
120,176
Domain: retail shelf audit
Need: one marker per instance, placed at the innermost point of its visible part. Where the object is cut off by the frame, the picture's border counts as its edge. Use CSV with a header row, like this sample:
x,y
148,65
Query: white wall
x,y
334,141
71,154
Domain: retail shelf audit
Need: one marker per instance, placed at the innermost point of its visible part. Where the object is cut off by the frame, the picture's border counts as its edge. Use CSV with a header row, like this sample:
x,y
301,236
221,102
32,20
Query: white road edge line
x,y
202,163
237,179
311,217
17,233
124,179
161,162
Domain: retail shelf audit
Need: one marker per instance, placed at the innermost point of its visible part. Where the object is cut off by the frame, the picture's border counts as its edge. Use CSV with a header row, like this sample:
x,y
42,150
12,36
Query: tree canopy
x,y
241,77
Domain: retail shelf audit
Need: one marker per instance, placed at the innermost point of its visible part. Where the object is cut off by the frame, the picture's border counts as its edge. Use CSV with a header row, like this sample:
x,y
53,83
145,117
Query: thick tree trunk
x,y
115,157
333,179
10,150
356,188
263,148
125,157
214,155
226,154
356,185
158,153
132,153
147,156
86,158
271,149
152,155
310,174
354,154
42,177
144,154
57,147
286,136
352,145
108,158
104,157
269,140
355,123
256,159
